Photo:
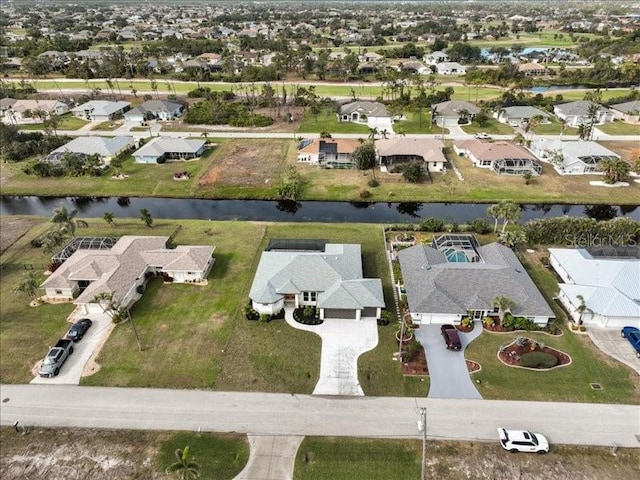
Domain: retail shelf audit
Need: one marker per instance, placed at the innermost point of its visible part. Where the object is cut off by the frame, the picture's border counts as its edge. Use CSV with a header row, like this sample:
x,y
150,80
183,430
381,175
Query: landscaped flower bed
x,y
515,324
307,316
414,359
528,353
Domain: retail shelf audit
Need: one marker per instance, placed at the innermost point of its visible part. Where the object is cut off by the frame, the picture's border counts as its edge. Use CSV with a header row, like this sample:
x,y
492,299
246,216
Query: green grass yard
x,y
491,126
326,121
67,122
619,128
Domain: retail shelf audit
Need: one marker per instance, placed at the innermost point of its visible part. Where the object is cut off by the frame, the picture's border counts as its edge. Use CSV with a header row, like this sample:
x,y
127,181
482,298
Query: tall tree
x,y
614,170
109,218
65,220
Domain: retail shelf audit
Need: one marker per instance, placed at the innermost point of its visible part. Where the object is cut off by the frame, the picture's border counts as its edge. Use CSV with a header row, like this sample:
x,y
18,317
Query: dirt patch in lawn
x,y
12,228
247,163
628,151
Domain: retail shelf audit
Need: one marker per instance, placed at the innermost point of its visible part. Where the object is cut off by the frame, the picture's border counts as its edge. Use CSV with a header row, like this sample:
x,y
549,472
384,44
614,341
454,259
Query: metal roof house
x,y
328,276
572,157
161,149
606,286
455,278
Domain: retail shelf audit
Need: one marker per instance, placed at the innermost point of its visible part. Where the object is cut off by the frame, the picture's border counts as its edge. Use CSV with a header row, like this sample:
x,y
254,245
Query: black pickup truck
x,y
55,358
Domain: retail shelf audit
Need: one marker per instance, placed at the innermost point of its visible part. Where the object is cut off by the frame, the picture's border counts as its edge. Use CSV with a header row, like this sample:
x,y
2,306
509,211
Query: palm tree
x,y
494,212
511,212
614,170
66,221
108,217
53,239
503,304
28,285
145,216
184,468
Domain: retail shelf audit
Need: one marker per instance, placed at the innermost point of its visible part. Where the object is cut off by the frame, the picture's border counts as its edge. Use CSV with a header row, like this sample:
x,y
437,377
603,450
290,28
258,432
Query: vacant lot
x,y
12,228
629,151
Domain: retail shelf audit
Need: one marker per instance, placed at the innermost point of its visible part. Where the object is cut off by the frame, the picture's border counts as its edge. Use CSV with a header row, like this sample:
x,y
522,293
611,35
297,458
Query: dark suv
x,y
451,337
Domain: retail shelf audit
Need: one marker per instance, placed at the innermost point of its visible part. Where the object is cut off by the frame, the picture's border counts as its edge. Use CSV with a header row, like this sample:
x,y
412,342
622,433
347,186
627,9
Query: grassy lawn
x,y
567,384
413,123
492,127
67,122
108,126
578,94
326,121
554,128
619,128
221,457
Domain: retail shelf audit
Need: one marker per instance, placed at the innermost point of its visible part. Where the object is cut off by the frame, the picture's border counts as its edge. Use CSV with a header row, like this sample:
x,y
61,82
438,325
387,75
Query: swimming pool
x,y
455,256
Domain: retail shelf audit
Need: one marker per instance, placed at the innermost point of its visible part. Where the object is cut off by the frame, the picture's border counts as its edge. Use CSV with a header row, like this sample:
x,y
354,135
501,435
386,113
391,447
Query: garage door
x,y
339,313
369,312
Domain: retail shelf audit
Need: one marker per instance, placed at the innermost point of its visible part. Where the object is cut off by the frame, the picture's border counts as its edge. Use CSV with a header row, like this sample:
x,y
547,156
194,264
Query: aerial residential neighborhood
x,y
316,240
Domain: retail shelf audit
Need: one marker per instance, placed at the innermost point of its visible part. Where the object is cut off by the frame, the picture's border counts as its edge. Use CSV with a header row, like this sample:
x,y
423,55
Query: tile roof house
x,y
516,116
609,286
449,113
374,114
572,157
455,278
328,152
501,157
118,271
627,112
161,149
329,277
107,148
23,111
393,151
100,110
578,113
159,109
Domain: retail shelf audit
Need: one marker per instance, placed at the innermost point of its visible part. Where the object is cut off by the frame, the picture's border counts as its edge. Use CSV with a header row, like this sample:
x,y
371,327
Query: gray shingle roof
x,y
579,108
454,107
524,111
372,109
160,145
628,107
103,146
457,287
101,107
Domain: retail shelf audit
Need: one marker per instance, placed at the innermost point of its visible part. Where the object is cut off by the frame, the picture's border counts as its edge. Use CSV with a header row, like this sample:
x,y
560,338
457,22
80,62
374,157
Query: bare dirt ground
x,y
12,228
629,151
70,454
241,163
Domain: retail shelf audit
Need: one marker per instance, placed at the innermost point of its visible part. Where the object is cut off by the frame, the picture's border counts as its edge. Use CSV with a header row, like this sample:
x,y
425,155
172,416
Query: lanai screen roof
x,y
84,243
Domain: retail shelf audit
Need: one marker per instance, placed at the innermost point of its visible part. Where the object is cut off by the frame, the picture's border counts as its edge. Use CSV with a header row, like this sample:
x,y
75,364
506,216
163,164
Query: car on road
x,y
522,441
633,335
78,329
451,337
482,136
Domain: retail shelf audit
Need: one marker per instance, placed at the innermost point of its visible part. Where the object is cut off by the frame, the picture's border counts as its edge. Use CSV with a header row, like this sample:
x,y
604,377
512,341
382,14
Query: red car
x,y
451,337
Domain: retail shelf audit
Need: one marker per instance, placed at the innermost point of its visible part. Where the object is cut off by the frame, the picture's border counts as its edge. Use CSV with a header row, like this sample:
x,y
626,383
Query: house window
x,y
309,296
58,292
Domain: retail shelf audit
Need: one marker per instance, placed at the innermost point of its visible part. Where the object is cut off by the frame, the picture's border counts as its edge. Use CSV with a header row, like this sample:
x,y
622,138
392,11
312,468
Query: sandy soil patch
x,y
12,228
628,150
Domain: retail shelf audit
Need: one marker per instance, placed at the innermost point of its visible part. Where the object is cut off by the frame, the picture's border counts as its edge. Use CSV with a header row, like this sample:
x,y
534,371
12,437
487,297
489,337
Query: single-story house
x,y
100,110
324,275
158,109
599,289
455,278
106,147
120,270
450,68
451,112
392,151
531,69
501,157
23,111
578,113
627,112
516,116
434,58
572,157
161,149
414,67
374,114
328,152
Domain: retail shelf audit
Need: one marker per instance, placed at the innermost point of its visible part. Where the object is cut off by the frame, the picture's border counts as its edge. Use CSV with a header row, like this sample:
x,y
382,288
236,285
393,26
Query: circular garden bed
x,y
525,352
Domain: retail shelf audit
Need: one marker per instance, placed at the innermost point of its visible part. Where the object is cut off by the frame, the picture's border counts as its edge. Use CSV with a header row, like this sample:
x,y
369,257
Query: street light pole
x,y
422,427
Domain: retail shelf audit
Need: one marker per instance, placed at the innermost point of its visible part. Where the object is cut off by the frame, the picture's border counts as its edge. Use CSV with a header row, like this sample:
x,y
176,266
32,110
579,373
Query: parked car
x,y
633,335
78,329
523,441
451,337
483,136
56,356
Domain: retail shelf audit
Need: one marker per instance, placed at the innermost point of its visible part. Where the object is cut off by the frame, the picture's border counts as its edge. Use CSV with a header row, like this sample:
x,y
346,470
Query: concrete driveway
x,y
343,341
448,374
72,369
611,343
271,457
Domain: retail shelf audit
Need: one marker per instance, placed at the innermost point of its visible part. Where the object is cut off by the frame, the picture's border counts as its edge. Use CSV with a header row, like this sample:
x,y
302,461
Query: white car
x,y
483,136
523,441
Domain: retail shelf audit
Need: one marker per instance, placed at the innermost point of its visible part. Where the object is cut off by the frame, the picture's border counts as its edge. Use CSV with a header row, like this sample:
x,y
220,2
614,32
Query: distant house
x,y
328,152
450,68
531,69
414,67
394,151
516,116
451,112
162,149
572,157
120,270
100,110
22,111
502,157
455,277
600,281
156,109
628,112
374,114
578,113
434,58
315,273
105,147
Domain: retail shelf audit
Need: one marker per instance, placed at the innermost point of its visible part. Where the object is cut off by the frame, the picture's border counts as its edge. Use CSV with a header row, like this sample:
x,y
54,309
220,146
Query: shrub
x,y
364,193
518,323
480,225
373,182
249,312
582,328
488,322
431,224
385,318
161,160
36,242
538,360
466,322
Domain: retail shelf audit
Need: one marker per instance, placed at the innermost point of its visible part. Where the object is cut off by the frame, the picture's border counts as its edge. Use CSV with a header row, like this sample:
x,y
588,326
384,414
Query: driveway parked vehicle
x,y
633,335
451,337
523,441
483,136
55,358
78,329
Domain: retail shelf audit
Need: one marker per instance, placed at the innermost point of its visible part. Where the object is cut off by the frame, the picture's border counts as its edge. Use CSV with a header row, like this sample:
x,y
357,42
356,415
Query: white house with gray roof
x,y
118,271
605,288
516,116
628,112
579,113
451,112
456,278
155,109
100,110
374,114
572,157
161,149
107,148
329,278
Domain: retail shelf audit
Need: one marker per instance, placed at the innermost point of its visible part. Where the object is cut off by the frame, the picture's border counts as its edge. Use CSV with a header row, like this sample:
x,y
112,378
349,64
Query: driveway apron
x,y
611,343
448,374
271,457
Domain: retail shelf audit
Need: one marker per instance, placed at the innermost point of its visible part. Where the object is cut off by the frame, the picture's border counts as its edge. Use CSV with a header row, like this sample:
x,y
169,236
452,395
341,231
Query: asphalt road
x,y
291,414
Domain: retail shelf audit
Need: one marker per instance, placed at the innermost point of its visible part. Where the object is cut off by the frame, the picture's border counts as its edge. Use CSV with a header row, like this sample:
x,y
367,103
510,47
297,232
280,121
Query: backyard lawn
x,y
326,121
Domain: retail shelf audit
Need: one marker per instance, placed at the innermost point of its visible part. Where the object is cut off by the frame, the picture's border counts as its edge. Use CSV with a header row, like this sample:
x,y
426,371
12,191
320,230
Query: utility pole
x,y
135,331
422,427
